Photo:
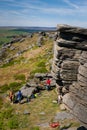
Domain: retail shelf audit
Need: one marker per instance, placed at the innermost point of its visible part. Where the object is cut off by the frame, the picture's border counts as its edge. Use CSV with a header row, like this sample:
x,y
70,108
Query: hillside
x,y
21,61
7,33
24,58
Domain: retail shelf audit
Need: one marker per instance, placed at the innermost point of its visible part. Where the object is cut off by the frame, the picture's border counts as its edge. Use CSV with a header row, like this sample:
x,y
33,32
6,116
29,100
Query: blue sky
x,y
47,13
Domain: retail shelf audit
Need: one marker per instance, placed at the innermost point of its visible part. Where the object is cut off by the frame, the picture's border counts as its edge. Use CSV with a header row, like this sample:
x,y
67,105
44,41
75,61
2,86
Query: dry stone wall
x,y
70,68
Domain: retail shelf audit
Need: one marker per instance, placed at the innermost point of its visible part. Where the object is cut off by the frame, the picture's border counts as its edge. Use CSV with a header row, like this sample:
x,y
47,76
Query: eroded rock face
x,y
70,67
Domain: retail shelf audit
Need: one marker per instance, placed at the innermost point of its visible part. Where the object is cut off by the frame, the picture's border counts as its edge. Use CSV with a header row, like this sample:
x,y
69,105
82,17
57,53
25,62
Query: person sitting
x,y
48,82
19,96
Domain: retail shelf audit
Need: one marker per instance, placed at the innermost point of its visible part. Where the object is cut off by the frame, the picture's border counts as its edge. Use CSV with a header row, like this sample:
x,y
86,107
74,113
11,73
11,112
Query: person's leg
x,y
47,87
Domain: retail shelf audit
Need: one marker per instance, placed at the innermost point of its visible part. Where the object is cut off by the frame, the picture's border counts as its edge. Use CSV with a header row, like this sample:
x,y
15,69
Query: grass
x,y
1,102
14,86
7,113
35,128
19,77
13,123
40,65
7,64
39,68
15,61
4,116
12,117
6,34
13,76
42,104
33,60
10,120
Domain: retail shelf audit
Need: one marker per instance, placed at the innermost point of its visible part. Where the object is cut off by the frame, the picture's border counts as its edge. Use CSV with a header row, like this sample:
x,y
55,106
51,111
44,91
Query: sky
x,y
43,13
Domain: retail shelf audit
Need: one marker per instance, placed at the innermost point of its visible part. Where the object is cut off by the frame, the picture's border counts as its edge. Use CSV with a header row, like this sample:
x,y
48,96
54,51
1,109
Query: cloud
x,y
71,4
29,7
40,13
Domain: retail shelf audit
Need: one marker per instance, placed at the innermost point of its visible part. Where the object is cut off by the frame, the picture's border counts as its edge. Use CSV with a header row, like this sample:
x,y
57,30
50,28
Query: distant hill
x,y
7,32
29,28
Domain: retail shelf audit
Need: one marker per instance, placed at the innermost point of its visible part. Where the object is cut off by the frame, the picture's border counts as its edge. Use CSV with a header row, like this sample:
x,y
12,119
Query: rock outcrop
x,y
39,81
70,68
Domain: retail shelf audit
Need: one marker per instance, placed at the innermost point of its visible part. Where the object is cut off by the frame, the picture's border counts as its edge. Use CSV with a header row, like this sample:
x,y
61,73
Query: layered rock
x,y
70,67
65,64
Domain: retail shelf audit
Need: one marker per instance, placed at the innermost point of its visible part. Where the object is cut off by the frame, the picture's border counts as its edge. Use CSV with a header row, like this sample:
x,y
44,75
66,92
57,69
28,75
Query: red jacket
x,y
48,81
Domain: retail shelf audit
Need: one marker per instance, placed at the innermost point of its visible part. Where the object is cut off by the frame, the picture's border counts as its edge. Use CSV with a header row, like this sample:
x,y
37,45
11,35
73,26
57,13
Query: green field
x,y
7,34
